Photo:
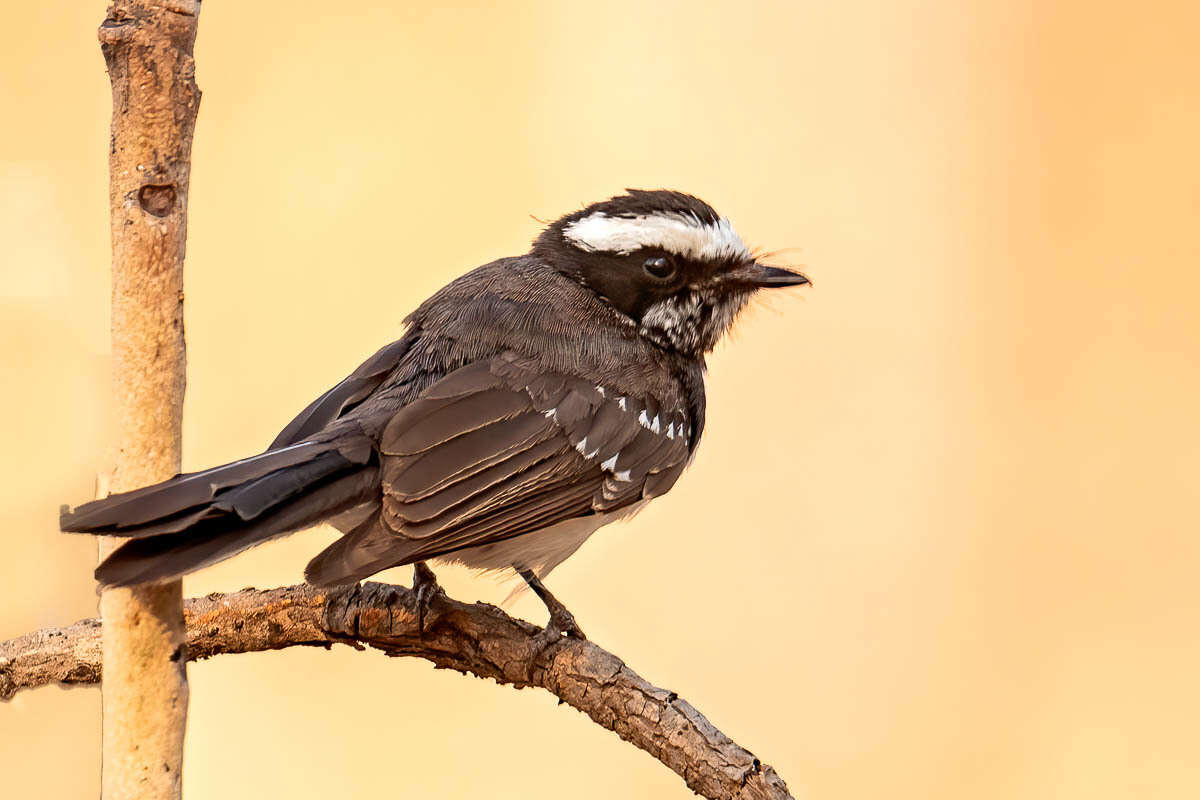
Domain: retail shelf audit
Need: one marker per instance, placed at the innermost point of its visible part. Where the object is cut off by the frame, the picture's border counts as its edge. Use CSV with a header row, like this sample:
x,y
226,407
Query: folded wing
x,y
498,449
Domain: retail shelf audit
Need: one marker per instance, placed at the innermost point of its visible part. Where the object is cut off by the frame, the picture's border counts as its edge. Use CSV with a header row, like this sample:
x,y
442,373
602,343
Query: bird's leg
x,y
426,587
561,620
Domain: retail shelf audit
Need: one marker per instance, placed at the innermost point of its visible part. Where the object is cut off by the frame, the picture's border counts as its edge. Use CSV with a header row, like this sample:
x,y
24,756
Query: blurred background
x,y
958,547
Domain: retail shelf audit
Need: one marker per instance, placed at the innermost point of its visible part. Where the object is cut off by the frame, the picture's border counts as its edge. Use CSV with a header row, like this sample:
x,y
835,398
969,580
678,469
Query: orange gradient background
x,y
941,539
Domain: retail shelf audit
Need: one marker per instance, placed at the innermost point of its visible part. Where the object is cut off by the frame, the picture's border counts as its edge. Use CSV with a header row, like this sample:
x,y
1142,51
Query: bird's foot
x,y
426,587
562,622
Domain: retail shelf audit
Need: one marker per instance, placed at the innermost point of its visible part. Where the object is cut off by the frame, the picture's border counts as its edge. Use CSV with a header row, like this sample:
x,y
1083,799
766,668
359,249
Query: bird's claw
x,y
562,623
548,637
426,587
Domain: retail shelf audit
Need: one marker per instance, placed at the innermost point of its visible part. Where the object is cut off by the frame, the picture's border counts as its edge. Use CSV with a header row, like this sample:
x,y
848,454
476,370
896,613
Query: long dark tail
x,y
194,520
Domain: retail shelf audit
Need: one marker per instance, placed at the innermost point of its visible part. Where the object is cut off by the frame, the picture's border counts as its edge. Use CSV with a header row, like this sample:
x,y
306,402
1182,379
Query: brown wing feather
x,y
531,480
429,422
526,517
497,450
430,505
563,499
461,457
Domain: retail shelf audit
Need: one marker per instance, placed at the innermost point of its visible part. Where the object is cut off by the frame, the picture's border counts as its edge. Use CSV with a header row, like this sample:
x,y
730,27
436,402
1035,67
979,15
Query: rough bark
x,y
148,50
478,639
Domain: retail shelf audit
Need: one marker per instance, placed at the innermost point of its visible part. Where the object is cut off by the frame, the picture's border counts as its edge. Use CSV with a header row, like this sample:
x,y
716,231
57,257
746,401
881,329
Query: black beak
x,y
771,277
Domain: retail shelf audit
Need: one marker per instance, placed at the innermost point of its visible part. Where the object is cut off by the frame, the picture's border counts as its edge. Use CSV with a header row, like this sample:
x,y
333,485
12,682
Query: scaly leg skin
x,y
561,621
426,587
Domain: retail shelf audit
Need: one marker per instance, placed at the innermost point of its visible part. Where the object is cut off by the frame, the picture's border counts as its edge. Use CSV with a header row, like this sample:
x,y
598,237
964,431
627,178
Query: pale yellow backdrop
x,y
941,539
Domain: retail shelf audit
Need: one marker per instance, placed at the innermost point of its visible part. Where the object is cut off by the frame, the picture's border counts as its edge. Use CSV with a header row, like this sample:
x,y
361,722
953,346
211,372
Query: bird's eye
x,y
660,267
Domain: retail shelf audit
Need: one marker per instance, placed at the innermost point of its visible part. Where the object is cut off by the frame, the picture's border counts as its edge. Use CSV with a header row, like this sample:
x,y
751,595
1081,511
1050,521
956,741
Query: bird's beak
x,y
761,276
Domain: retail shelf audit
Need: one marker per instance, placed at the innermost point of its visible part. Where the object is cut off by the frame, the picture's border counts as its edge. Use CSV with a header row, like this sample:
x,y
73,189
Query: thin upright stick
x,y
148,50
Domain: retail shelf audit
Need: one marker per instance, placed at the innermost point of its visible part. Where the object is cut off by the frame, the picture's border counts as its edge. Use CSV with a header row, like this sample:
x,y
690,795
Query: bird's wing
x,y
355,388
498,449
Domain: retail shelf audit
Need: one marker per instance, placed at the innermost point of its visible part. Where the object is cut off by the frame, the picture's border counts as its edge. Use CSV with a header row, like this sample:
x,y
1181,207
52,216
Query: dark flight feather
x,y
193,520
341,398
163,557
363,551
130,509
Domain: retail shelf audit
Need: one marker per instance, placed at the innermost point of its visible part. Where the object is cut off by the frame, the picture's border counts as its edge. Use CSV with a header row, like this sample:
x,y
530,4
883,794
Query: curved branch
x,y
479,639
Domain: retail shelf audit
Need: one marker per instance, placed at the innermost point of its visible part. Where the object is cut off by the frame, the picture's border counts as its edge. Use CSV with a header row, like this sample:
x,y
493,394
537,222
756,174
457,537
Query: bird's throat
x,y
693,321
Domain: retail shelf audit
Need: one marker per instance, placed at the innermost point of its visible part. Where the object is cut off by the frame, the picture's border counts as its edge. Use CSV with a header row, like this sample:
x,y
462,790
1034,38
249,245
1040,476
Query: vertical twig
x,y
148,50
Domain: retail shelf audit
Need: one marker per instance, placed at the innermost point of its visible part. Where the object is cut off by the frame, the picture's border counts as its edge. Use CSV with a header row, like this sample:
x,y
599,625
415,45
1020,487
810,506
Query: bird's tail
x,y
194,520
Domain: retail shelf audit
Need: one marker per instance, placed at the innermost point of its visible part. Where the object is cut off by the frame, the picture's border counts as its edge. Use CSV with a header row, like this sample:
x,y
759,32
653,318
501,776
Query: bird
x,y
529,402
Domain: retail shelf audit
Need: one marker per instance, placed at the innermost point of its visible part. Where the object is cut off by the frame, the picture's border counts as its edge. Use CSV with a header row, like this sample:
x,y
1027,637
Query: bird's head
x,y
665,259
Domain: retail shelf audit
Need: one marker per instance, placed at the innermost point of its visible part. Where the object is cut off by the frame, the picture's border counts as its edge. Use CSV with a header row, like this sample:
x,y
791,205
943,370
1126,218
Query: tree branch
x,y
479,639
147,46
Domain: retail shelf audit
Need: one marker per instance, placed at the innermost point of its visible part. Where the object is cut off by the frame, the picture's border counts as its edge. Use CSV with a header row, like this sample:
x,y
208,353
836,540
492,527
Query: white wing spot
x,y
582,447
600,389
671,430
654,426
622,476
644,420
551,414
621,403
611,463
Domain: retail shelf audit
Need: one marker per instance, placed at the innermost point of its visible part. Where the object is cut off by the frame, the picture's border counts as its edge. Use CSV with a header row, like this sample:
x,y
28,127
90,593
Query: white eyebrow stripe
x,y
681,234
